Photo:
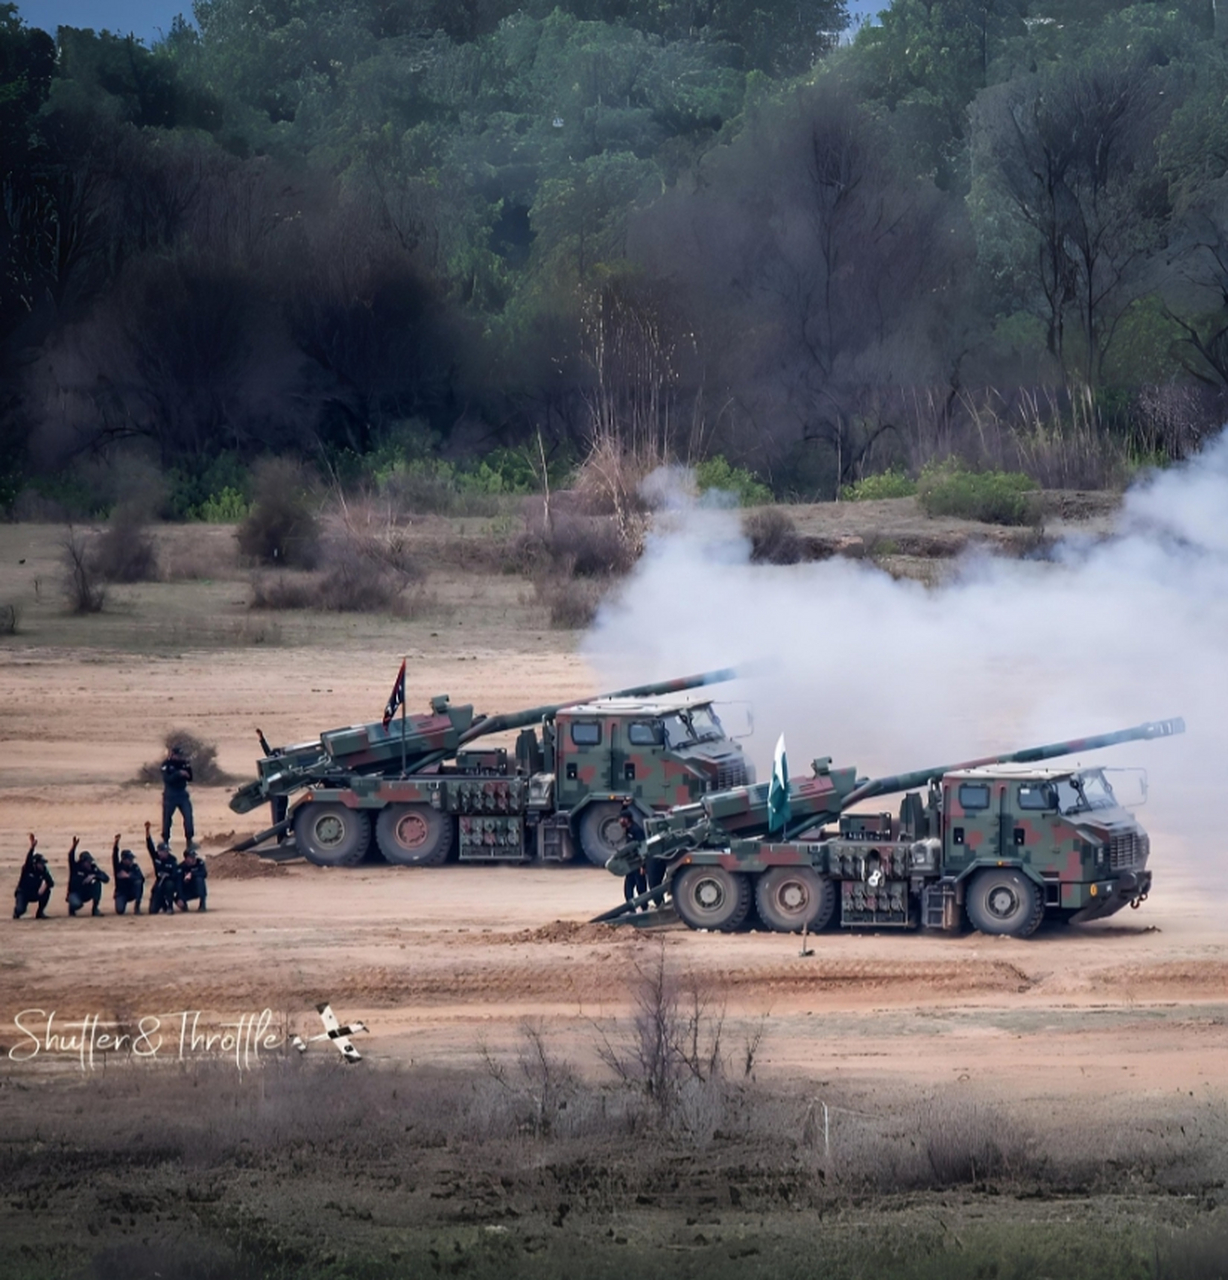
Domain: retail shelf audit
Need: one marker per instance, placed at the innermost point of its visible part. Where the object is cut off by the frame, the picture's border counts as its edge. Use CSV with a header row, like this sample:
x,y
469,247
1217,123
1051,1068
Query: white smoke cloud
x,y
889,675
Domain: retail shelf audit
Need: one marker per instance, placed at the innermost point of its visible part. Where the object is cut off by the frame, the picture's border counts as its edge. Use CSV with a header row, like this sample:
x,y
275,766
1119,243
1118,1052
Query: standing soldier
x,y
34,884
192,876
85,881
176,774
634,882
166,875
129,880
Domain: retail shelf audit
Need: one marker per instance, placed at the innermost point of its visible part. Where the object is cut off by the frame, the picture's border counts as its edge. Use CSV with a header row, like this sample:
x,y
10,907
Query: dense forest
x,y
458,234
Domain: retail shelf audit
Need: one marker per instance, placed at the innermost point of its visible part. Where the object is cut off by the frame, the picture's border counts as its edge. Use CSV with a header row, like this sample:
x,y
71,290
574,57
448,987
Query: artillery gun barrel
x,y
533,715
1029,755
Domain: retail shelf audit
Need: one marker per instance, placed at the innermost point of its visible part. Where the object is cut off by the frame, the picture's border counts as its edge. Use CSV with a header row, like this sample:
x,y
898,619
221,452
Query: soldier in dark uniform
x,y
634,882
192,877
166,876
85,881
34,884
176,774
129,880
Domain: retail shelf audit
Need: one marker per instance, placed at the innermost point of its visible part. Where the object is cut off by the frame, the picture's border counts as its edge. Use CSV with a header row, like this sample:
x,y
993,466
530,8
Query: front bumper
x,y
1110,896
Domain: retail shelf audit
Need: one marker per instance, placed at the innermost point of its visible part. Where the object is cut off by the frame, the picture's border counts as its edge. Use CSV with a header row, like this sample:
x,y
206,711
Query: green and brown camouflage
x,y
1004,845
421,790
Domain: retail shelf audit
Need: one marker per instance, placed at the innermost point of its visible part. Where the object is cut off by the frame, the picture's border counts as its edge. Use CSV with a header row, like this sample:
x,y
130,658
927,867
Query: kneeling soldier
x,y
166,875
129,880
34,884
192,876
85,881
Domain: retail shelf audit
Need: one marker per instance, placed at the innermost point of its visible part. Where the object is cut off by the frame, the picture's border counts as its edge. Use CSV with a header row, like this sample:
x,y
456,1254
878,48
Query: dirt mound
x,y
570,931
242,866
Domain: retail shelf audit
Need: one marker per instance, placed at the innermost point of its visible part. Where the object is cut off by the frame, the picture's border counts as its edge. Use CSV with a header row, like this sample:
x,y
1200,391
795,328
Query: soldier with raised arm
x,y
85,881
34,884
166,875
129,880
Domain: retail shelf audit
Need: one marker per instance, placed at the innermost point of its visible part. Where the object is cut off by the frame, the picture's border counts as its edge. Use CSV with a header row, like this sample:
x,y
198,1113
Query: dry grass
x,y
570,603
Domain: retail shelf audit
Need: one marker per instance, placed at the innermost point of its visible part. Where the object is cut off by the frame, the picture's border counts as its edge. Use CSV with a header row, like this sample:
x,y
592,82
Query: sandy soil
x,y
440,962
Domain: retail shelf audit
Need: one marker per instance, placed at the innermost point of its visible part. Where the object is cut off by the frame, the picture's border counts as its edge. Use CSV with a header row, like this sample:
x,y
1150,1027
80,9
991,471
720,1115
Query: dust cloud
x,y
890,675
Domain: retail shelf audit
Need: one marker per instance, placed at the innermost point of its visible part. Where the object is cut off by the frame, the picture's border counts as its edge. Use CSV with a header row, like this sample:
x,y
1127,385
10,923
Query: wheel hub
x,y
1002,902
709,894
792,895
411,831
329,831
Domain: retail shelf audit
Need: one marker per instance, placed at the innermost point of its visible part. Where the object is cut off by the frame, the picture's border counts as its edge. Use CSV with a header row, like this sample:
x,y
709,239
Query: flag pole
x,y
404,660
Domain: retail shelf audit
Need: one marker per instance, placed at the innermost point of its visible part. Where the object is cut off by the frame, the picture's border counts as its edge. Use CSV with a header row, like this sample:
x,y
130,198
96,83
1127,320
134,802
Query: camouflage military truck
x,y
1001,845
423,793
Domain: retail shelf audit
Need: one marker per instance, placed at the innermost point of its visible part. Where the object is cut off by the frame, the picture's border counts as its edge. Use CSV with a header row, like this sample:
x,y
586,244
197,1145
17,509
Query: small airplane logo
x,y
334,1031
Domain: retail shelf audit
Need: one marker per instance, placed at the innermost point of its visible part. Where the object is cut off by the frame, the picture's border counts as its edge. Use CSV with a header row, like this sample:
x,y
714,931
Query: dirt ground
x,y
446,965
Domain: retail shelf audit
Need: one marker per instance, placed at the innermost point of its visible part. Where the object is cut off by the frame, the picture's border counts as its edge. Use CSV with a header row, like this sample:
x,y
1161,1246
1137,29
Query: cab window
x,y
646,733
1037,795
973,795
586,733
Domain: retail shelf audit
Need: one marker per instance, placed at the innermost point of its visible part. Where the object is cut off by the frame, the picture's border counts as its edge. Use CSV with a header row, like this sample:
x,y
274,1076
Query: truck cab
x,y
650,754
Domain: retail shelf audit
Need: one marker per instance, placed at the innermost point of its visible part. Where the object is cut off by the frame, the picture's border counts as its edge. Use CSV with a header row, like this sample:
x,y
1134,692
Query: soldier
x,y
34,884
166,875
192,876
129,880
85,881
176,774
634,882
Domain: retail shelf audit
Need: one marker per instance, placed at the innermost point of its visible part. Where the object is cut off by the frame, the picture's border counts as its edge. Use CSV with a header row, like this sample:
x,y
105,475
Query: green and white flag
x,y
778,789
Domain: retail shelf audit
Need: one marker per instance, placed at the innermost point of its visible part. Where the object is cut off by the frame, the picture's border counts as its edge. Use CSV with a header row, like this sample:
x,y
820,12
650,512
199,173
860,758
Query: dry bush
x,y
125,552
281,528
189,1258
10,619
966,1142
359,575
773,536
201,560
571,603
575,545
201,754
80,582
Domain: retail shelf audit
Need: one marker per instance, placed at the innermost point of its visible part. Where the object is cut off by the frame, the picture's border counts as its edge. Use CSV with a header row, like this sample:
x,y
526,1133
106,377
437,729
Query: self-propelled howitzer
x,y
1007,843
421,788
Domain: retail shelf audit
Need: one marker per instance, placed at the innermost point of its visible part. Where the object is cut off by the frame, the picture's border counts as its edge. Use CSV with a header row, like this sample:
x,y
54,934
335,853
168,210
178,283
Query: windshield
x,y
1083,791
696,724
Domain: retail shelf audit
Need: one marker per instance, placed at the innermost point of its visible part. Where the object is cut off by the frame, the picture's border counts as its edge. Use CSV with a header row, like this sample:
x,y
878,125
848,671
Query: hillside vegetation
x,y
451,248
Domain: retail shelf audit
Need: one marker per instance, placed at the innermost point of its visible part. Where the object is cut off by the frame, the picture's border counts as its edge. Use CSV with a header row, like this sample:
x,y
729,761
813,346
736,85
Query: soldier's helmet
x,y
163,847
38,857
86,856
125,855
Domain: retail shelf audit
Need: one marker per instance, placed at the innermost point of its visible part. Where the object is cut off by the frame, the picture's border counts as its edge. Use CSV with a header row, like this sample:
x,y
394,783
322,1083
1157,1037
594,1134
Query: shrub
x,y
994,497
362,571
887,484
202,755
773,536
281,527
571,603
80,584
125,552
718,473
10,619
227,507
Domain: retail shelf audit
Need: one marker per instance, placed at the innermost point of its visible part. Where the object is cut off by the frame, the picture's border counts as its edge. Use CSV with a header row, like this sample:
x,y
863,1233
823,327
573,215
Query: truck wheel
x,y
711,898
789,898
332,835
1002,901
601,833
414,835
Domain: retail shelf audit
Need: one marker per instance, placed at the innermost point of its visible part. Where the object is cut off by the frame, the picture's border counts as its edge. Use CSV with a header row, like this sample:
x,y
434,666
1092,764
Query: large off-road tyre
x,y
1001,901
711,898
600,832
792,898
414,835
332,835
